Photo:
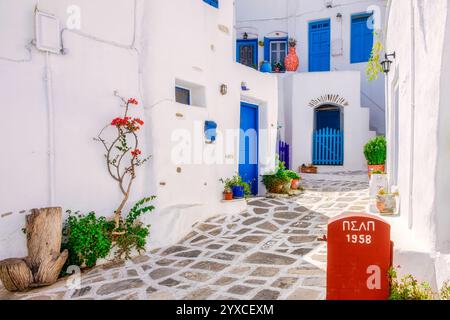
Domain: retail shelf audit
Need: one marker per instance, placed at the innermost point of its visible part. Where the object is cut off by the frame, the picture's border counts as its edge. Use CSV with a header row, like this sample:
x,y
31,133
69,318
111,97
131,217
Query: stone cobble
x,y
271,251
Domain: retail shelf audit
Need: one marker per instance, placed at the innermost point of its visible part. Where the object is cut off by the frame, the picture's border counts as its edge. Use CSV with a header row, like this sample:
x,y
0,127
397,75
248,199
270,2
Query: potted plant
x,y
291,61
375,153
240,189
378,181
227,189
308,169
386,202
277,66
278,181
295,179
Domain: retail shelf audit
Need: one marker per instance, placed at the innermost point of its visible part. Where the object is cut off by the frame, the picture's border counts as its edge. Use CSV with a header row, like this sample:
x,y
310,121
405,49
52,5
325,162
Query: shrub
x,y
375,151
87,238
408,288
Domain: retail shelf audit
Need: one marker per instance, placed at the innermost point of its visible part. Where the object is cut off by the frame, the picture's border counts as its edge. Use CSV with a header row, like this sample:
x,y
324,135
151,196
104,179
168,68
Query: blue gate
x,y
283,151
328,147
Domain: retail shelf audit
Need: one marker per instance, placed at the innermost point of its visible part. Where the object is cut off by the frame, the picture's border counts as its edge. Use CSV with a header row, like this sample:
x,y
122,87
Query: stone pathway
x,y
270,252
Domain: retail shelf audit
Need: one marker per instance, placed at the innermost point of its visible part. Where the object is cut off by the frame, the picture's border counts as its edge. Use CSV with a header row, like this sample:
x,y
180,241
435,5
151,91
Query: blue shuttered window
x,y
214,3
361,38
275,49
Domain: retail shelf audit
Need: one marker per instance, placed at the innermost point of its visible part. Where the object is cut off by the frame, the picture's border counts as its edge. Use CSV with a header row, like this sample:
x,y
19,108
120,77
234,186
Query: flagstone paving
x,y
272,251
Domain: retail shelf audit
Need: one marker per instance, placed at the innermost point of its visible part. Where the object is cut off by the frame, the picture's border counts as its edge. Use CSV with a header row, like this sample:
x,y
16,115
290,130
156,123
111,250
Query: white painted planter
x,y
377,182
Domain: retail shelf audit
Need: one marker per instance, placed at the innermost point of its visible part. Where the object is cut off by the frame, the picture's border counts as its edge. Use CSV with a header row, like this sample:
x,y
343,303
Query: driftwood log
x,y
45,261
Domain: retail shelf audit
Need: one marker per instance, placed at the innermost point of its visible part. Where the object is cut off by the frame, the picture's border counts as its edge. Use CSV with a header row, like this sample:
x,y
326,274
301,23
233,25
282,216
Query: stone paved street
x,y
271,251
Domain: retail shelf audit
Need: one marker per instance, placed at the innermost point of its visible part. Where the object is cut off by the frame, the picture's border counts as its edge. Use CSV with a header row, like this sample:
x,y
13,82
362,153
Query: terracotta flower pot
x,y
294,184
291,61
228,195
375,167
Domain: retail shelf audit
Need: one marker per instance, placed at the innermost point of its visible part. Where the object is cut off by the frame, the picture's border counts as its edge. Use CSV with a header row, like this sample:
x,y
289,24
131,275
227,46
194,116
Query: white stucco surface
x,y
281,18
142,49
306,87
418,32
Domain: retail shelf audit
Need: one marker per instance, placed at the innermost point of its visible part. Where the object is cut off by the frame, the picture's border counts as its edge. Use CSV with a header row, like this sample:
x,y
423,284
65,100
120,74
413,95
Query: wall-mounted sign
x,y
358,258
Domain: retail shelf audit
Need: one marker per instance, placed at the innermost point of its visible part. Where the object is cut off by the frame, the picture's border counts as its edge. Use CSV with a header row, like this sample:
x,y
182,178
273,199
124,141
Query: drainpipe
x,y
413,109
51,136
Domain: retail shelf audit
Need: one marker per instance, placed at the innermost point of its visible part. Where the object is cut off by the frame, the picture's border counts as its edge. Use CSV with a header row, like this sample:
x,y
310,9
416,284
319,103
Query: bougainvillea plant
x,y
123,155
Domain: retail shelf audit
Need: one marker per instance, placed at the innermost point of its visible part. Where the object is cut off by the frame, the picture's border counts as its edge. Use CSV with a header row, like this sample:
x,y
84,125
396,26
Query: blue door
x,y
248,145
247,52
319,46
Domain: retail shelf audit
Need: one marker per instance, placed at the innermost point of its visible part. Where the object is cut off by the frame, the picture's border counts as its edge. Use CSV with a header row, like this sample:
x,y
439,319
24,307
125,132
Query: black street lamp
x,y
386,64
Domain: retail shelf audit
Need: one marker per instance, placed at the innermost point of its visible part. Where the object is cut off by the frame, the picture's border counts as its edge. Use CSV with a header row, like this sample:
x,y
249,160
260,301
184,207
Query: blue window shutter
x,y
361,39
214,3
266,49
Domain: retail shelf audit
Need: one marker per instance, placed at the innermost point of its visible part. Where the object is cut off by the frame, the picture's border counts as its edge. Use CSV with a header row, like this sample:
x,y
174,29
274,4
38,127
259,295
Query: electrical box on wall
x,y
48,33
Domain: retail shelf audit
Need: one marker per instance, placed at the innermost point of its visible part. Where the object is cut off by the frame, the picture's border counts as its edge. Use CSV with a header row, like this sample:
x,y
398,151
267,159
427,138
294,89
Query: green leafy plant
x,y
87,238
236,181
277,65
375,151
408,288
445,291
292,174
275,182
374,68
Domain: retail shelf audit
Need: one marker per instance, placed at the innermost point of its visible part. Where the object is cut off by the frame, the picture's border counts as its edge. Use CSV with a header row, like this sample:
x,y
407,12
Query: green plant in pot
x,y
240,188
375,153
227,189
279,181
295,179
277,67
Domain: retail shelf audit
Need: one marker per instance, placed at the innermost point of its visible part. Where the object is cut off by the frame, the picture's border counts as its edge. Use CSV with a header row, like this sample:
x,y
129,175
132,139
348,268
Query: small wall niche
x,y
189,93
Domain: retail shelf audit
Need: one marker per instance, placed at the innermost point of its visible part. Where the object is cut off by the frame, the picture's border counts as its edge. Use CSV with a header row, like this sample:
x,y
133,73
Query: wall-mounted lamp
x,y
386,64
329,4
244,86
223,89
339,16
245,36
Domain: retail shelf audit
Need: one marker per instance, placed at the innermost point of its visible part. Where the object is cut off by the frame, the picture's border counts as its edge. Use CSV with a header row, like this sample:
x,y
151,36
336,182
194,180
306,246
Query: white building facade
x,y
334,41
418,134
57,101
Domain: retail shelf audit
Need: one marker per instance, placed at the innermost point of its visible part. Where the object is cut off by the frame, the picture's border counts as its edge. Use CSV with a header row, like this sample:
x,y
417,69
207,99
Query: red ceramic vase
x,y
291,61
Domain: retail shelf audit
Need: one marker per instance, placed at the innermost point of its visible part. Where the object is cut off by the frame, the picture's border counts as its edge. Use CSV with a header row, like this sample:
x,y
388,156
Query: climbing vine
x,y
374,67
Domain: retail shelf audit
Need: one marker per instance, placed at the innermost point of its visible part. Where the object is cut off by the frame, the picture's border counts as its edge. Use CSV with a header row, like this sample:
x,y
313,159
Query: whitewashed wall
x,y
262,19
178,39
419,33
311,86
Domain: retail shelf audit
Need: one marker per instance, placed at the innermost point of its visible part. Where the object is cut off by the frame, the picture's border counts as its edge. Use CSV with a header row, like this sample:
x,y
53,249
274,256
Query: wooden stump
x,y
15,275
45,261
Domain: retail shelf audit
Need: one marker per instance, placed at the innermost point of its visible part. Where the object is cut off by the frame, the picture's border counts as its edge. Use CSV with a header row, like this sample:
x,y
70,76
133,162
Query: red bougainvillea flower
x,y
139,121
136,153
118,122
133,101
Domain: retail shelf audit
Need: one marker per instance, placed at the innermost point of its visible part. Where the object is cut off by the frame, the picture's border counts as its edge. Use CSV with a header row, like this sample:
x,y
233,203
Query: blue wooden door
x,y
319,46
248,145
247,52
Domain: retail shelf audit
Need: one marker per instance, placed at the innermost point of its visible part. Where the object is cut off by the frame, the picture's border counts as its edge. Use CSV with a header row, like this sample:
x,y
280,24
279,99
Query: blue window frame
x,y
275,50
183,95
214,3
319,46
361,38
247,52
